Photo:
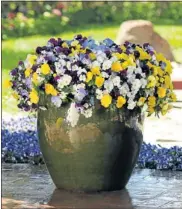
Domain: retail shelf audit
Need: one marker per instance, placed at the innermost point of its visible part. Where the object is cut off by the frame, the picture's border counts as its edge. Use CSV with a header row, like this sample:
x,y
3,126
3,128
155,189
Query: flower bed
x,y
20,145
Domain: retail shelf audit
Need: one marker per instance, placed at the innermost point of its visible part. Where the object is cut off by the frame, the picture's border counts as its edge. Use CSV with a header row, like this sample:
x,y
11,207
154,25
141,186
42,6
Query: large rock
x,y
142,31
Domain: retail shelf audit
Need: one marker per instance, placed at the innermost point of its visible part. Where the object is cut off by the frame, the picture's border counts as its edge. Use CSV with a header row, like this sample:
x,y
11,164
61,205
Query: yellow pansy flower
x,y
167,81
168,67
160,71
83,51
89,76
155,70
141,101
65,45
92,56
161,92
31,59
173,97
121,56
131,62
151,81
123,48
35,78
150,64
99,81
74,43
120,102
150,110
106,100
125,64
95,70
7,84
151,101
49,89
15,95
161,80
143,54
34,98
171,86
116,67
27,72
164,109
160,57
45,69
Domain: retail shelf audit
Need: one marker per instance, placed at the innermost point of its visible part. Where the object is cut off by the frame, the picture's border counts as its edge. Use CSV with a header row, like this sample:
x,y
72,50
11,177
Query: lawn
x,y
14,50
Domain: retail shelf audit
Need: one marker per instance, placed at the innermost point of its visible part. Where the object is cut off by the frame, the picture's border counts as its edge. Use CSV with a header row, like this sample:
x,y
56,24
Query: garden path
x,y
27,186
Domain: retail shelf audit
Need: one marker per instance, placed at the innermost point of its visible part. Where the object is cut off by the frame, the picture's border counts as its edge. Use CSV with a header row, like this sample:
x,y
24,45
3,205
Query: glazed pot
x,y
98,154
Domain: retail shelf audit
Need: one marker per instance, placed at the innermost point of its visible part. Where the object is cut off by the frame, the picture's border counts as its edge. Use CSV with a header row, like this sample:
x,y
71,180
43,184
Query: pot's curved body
x,y
98,154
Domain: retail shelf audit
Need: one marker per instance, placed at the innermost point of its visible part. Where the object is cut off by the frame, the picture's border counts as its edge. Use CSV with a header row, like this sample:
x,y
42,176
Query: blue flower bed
x,y
20,145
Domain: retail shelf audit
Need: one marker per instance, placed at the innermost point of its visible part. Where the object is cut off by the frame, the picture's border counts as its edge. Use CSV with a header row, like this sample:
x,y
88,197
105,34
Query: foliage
x,y
32,18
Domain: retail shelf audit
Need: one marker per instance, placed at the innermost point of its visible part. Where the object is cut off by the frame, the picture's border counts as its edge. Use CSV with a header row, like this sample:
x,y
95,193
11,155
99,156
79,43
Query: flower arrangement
x,y
81,71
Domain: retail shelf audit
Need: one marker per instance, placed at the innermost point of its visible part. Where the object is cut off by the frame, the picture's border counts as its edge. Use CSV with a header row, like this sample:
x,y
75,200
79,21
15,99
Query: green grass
x,y
14,50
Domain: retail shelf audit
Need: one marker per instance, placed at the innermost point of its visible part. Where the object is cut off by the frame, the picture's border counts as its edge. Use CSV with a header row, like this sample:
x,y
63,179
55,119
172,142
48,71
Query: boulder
x,y
142,31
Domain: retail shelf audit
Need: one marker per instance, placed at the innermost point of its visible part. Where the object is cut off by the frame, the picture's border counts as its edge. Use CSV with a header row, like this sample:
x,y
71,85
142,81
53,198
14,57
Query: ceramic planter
x,y
98,154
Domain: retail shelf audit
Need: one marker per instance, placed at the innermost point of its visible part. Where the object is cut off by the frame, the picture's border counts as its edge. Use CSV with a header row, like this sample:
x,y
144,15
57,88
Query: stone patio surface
x,y
28,186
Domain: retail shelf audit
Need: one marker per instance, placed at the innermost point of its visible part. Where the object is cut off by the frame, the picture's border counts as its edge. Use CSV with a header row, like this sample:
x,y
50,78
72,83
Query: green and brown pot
x,y
98,154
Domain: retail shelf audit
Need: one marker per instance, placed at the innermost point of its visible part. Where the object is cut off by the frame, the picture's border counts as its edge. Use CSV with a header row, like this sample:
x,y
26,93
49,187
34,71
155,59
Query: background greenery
x,y
31,18
25,25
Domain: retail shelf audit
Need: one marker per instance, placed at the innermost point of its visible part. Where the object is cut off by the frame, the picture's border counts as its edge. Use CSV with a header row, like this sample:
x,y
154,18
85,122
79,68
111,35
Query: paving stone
x,y
27,186
173,205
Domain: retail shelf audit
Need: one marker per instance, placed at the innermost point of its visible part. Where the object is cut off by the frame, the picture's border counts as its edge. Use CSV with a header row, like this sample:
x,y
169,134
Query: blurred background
x,y
25,25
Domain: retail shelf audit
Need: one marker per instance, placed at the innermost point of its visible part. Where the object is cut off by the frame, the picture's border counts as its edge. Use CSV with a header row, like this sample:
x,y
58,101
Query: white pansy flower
x,y
78,86
105,75
143,82
62,56
40,79
131,78
101,56
150,92
68,65
99,94
86,61
56,100
86,105
74,68
136,84
131,95
124,89
131,104
106,64
81,70
87,113
138,70
143,75
73,115
59,68
82,78
113,59
116,81
65,80
130,70
63,95
144,108
137,63
95,64
108,85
